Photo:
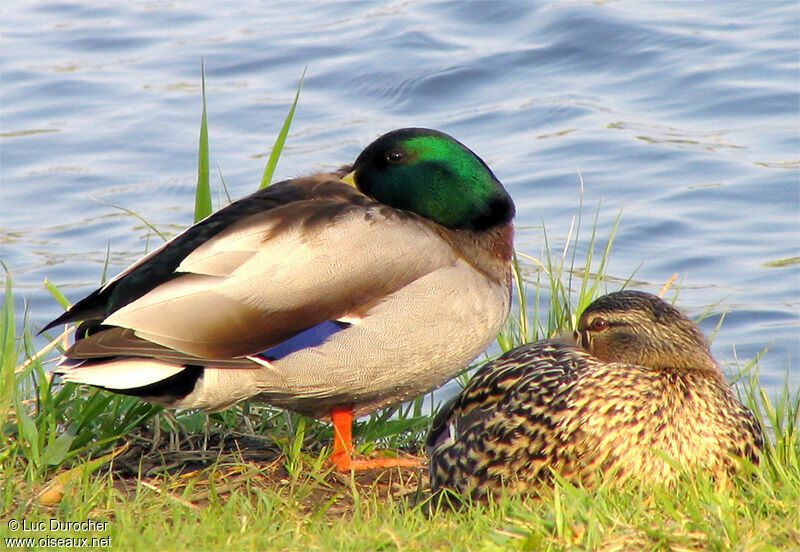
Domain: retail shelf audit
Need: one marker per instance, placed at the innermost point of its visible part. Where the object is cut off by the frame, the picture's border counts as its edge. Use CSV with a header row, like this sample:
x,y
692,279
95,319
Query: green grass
x,y
281,495
202,194
256,478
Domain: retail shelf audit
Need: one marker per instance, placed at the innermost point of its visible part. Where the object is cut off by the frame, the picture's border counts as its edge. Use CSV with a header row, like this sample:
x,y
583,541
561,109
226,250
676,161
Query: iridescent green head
x,y
433,175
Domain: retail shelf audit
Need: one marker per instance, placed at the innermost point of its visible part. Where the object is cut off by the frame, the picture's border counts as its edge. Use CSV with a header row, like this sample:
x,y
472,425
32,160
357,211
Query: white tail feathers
x,y
117,374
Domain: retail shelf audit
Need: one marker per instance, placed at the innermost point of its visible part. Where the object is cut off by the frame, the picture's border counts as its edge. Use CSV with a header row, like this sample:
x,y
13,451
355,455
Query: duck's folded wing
x,y
159,265
272,275
123,342
505,393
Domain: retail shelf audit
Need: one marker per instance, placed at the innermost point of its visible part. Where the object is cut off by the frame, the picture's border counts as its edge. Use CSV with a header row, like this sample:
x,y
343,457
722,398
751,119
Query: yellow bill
x,y
350,178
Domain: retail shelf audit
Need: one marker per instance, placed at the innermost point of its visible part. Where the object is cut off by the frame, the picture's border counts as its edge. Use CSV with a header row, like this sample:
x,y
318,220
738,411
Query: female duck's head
x,y
639,328
433,175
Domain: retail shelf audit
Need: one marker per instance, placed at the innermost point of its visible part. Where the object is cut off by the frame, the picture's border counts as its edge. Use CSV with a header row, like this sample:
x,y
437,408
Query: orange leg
x,y
342,456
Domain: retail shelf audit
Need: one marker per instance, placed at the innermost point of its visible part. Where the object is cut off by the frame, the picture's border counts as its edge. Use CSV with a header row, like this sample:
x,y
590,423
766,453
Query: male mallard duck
x,y
330,295
644,385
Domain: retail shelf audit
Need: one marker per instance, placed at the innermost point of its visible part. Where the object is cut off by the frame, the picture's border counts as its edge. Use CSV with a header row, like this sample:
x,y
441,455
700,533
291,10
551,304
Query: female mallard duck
x,y
643,385
331,295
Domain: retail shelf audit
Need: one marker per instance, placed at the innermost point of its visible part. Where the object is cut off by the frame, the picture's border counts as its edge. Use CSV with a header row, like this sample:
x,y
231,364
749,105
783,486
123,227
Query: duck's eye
x,y
394,156
598,324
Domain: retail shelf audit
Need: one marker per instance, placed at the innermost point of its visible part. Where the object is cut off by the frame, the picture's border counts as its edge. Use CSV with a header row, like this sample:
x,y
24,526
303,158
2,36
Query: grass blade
x,y
134,214
8,355
56,293
275,154
56,452
202,196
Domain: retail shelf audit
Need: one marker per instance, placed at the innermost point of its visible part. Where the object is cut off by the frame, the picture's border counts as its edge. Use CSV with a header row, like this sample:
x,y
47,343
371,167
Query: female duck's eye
x,y
598,324
394,156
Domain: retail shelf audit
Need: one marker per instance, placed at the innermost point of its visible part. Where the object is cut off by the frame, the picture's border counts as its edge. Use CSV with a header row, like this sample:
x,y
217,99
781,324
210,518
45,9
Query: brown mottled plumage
x,y
645,387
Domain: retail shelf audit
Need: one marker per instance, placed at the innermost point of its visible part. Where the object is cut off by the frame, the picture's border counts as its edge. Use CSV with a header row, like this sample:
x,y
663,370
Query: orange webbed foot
x,y
346,463
342,458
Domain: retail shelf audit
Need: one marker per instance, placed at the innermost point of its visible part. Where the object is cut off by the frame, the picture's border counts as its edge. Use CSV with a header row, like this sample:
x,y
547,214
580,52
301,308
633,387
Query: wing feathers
x,y
122,342
306,273
159,266
264,269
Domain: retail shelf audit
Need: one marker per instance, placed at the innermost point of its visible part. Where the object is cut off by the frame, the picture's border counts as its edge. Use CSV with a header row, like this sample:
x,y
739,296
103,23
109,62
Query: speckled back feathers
x,y
553,407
